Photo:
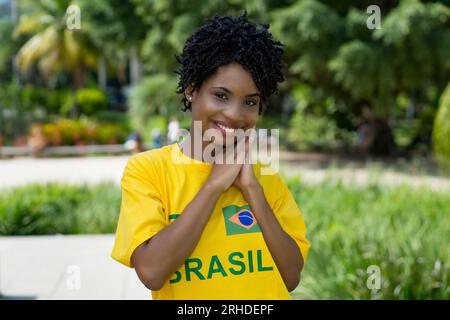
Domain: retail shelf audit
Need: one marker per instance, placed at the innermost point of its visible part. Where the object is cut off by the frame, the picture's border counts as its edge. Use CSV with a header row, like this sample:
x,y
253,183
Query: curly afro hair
x,y
226,39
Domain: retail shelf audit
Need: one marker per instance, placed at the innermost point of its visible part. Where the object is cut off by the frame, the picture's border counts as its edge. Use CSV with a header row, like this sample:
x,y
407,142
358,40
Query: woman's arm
x,y
157,259
282,247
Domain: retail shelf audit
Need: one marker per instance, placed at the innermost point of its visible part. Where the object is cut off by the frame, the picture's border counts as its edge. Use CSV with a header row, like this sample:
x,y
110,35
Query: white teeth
x,y
228,130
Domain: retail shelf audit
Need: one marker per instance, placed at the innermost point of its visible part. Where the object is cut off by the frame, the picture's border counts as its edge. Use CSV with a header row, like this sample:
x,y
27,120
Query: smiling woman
x,y
207,230
225,102
225,40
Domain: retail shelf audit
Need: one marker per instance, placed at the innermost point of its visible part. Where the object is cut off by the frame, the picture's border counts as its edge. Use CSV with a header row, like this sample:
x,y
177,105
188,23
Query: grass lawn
x,y
403,232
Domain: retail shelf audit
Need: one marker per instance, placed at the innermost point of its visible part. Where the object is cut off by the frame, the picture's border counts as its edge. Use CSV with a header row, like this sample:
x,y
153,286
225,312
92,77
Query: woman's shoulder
x,y
151,158
268,176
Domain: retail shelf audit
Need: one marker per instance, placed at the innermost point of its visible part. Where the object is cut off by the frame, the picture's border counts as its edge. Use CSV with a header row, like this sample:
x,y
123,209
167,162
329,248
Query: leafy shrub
x,y
48,100
111,134
313,132
319,123
84,131
38,209
403,231
152,97
91,100
54,208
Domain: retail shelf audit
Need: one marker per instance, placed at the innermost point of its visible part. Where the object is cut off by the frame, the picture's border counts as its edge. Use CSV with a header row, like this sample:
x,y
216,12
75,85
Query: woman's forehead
x,y
234,78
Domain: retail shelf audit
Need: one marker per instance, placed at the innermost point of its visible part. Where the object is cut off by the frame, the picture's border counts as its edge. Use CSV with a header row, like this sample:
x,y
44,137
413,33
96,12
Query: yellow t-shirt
x,y
231,259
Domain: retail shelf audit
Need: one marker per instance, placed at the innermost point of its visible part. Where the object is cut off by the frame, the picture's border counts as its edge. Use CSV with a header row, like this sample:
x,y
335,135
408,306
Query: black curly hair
x,y
226,39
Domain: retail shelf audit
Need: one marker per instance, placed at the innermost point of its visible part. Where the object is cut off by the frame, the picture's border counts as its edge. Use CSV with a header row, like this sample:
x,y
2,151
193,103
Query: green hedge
x,y
403,231
91,100
52,208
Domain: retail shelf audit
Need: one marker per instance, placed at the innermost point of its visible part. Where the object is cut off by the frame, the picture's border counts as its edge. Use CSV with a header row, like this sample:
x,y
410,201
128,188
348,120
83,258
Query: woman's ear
x,y
189,93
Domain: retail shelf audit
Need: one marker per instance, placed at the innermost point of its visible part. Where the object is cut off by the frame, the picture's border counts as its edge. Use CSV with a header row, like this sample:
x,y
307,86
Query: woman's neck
x,y
190,147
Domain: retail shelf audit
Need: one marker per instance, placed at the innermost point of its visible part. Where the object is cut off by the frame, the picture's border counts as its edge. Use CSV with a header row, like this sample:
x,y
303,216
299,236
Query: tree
x,y
52,46
153,96
329,47
116,28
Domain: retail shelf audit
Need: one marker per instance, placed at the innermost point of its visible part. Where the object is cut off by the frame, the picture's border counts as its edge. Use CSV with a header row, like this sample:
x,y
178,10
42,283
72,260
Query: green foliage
x,y
311,33
115,27
418,34
154,95
53,208
15,117
37,100
441,130
365,70
311,132
85,131
111,134
51,45
91,100
33,98
9,45
113,23
405,232
113,117
170,22
314,123
329,47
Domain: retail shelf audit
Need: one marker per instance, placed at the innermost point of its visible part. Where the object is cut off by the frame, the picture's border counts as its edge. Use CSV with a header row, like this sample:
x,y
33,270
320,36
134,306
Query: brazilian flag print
x,y
239,220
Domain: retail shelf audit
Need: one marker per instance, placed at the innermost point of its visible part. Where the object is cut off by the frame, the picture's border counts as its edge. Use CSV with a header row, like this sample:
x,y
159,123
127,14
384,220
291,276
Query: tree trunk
x,y
101,72
74,109
383,143
78,82
14,11
135,66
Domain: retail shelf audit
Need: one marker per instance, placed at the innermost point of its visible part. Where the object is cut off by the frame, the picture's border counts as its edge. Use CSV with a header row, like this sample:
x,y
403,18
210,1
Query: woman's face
x,y
226,101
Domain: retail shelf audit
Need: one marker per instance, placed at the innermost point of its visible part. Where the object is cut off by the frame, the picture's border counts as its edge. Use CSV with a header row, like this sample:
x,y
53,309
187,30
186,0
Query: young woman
x,y
200,229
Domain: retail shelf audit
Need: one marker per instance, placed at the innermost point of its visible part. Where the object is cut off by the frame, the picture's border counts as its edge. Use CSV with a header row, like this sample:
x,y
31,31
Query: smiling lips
x,y
225,128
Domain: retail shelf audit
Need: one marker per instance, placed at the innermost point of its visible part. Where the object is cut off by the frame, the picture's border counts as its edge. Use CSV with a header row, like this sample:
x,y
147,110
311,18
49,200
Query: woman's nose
x,y
234,114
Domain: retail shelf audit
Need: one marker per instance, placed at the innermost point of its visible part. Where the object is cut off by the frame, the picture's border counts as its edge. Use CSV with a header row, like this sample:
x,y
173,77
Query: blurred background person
x,y
173,130
134,143
156,138
37,140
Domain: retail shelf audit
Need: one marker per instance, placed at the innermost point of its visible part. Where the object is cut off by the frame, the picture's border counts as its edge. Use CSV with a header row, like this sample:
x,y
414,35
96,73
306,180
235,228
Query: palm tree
x,y
52,46
115,27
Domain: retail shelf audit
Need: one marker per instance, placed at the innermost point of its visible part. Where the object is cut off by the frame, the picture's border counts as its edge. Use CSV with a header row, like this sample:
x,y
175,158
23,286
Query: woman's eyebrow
x,y
228,91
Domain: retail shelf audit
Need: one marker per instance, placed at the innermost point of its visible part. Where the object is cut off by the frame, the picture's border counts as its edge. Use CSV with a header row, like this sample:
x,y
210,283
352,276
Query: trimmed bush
x,y
72,132
91,100
53,208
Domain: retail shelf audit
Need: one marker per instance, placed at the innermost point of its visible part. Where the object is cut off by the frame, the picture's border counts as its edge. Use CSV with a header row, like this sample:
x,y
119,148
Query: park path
x,y
20,171
65,267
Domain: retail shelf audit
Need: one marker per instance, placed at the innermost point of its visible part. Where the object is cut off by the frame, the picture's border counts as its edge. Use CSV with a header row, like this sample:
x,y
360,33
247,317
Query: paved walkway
x,y
20,171
65,267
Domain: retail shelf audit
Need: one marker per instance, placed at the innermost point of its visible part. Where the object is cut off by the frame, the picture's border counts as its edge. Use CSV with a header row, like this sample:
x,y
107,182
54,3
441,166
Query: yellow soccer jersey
x,y
231,260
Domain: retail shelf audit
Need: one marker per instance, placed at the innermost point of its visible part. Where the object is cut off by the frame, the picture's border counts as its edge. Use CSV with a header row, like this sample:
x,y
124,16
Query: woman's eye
x,y
221,96
251,103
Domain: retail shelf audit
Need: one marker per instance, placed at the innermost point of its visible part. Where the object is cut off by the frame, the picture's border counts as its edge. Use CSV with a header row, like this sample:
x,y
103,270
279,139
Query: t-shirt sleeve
x,y
290,216
141,210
